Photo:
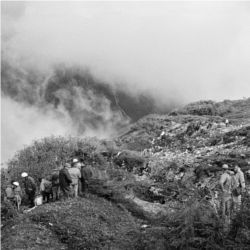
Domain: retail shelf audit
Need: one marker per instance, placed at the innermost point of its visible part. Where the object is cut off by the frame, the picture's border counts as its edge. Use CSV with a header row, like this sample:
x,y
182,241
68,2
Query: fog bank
x,y
176,52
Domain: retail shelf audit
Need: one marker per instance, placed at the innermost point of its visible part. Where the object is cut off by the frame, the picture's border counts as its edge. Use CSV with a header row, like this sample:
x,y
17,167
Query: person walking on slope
x,y
75,175
226,187
65,181
29,187
238,187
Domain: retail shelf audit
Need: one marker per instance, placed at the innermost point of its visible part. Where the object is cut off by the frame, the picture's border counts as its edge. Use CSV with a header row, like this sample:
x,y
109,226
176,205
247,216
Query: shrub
x,y
132,160
201,108
8,211
42,156
196,226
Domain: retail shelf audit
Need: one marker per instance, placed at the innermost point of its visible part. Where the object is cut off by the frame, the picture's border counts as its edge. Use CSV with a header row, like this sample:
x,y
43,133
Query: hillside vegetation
x,y
154,187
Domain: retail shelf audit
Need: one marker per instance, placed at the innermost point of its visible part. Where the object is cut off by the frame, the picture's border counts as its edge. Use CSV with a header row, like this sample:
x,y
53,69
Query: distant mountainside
x,y
89,102
237,110
160,181
140,134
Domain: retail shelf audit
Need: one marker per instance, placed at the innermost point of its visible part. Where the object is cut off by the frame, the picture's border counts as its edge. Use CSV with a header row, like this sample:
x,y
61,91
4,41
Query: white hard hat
x,y
16,183
225,166
75,160
24,174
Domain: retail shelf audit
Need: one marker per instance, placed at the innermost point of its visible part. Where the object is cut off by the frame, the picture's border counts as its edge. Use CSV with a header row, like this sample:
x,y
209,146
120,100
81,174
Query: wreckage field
x,y
156,186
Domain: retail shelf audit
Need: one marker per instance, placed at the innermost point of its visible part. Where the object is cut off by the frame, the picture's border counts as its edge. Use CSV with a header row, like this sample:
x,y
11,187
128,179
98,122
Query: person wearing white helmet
x,y
14,193
29,187
17,193
75,175
24,174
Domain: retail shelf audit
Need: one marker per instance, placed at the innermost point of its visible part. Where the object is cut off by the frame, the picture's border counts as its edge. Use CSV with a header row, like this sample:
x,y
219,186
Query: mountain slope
x,y
159,180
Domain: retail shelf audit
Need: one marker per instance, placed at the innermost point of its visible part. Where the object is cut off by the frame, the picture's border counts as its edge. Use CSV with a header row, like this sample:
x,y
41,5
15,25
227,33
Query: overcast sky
x,y
182,51
187,50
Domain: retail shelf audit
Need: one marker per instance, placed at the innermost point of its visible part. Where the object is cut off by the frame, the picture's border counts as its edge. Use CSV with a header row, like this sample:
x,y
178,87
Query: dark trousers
x,y
55,192
46,196
31,198
66,192
84,185
79,187
15,201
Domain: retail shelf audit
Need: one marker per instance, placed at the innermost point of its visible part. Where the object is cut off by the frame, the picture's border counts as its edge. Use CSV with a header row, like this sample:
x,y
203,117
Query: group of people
x,y
232,184
14,192
72,179
69,181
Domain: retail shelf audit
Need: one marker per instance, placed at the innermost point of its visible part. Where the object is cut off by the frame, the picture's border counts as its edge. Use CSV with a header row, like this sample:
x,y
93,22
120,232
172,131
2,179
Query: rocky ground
x,y
191,150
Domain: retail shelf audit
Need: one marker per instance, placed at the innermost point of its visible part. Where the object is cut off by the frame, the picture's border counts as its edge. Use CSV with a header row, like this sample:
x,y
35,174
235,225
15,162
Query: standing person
x,y
65,181
17,193
86,172
163,137
55,184
238,187
29,187
14,193
45,189
75,175
81,183
226,187
9,192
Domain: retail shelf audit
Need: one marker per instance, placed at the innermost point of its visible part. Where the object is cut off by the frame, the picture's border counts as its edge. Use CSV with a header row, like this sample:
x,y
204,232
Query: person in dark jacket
x,y
86,173
30,188
82,181
65,181
55,184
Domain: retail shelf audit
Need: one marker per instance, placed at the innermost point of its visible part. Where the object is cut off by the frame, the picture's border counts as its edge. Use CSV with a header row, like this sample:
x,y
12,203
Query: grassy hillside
x,y
204,113
148,191
237,111
92,223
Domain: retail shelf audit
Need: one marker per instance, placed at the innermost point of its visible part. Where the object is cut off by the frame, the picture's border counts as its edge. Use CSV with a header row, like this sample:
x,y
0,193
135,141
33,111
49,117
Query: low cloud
x,y
21,124
168,48
177,51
